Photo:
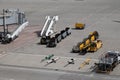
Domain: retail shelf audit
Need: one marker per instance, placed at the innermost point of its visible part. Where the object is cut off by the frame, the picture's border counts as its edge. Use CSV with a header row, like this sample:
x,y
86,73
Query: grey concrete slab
x,y
34,61
14,73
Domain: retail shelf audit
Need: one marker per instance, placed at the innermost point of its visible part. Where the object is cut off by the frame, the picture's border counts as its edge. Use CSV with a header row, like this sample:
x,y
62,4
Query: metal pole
x,y
4,22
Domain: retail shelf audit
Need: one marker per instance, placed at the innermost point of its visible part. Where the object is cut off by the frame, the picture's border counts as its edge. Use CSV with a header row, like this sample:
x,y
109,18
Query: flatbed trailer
x,y
52,42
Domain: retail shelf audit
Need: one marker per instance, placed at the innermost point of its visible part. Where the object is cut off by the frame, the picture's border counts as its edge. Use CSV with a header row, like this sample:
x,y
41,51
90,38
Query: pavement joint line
x,y
51,69
68,71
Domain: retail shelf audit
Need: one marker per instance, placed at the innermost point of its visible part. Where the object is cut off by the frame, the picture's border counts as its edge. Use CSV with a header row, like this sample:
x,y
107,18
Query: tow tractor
x,y
79,25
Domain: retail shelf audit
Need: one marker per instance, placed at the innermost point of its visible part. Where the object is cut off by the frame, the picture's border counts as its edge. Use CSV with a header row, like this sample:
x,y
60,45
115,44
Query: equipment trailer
x,y
48,35
108,62
58,37
47,29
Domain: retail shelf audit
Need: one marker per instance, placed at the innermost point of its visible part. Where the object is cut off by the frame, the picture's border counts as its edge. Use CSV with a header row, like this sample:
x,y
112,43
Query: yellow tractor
x,y
93,35
94,46
89,44
79,25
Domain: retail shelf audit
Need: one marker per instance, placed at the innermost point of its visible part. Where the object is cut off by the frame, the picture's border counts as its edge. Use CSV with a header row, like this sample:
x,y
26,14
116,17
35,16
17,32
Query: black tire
x,y
42,41
83,52
75,49
52,42
96,34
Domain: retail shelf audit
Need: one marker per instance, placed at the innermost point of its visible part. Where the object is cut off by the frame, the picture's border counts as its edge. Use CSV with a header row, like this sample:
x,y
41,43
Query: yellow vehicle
x,y
94,46
89,44
79,25
93,35
86,62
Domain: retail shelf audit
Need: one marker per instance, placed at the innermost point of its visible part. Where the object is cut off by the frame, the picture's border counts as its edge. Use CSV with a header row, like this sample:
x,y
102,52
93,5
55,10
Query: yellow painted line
x,y
86,62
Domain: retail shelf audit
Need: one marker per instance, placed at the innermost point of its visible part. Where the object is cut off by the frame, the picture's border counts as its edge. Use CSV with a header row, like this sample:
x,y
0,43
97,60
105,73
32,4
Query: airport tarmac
x,y
100,15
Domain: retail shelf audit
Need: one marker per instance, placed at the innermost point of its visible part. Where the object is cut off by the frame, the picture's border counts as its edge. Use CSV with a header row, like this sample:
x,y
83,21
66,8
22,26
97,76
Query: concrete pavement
x,y
100,15
15,73
34,61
